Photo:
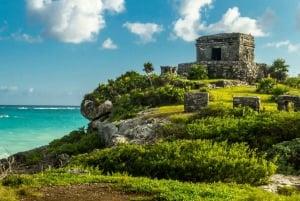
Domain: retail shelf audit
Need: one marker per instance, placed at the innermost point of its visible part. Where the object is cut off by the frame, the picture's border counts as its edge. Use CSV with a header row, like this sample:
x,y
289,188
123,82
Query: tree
x,y
148,68
279,70
197,72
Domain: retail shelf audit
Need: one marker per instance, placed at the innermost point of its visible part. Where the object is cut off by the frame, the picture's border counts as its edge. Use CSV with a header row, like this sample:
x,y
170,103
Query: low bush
x,y
200,160
288,154
17,180
76,142
258,130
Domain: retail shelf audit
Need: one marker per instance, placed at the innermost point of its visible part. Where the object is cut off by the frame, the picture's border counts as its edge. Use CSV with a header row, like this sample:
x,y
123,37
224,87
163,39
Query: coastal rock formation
x,y
91,111
134,131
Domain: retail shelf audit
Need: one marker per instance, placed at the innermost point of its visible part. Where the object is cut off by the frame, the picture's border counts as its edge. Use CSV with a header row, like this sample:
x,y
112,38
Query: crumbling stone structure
x,y
227,55
283,102
194,101
244,101
168,70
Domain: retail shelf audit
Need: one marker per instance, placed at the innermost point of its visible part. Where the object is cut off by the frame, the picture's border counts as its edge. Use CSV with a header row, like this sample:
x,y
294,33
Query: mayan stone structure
x,y
244,101
168,70
283,102
227,55
194,101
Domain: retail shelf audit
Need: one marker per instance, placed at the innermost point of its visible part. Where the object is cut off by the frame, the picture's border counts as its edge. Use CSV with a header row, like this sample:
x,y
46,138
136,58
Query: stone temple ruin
x,y
226,55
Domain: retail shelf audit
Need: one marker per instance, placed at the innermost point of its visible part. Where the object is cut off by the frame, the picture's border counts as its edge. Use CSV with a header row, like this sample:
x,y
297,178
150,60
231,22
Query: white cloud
x,y
298,17
191,23
23,37
144,30
109,44
233,22
114,5
72,21
290,46
8,89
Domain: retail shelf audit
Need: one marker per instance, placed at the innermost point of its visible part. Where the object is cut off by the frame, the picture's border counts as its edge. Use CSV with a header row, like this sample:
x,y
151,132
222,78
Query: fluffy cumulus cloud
x,y
232,21
190,22
290,46
145,31
298,17
109,44
72,21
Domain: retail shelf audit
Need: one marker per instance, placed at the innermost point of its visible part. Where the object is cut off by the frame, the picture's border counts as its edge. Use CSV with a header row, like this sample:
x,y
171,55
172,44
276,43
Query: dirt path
x,y
82,192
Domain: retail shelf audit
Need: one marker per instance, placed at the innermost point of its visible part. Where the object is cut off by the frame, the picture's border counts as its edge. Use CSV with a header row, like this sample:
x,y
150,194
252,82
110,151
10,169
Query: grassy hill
x,y
217,153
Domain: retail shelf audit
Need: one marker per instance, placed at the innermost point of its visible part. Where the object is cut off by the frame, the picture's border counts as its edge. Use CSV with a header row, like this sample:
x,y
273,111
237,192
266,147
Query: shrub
x,y
200,160
75,143
288,153
278,90
266,85
292,82
260,130
17,180
197,72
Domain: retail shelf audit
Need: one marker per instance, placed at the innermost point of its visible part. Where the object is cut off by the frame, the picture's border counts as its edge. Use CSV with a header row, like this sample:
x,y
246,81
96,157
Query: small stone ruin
x,y
227,55
194,101
284,102
244,101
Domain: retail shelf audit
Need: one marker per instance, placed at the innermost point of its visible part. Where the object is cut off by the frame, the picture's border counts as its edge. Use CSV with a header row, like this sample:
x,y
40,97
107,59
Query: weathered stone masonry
x,y
243,101
194,101
284,100
227,55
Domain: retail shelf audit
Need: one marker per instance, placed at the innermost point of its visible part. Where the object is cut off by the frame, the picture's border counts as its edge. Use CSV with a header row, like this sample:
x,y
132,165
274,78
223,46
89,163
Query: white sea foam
x,y
56,108
23,108
2,116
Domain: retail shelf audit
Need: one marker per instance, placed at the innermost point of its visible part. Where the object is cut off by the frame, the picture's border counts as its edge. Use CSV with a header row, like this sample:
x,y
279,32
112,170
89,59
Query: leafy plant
x,y
265,85
288,153
199,160
197,72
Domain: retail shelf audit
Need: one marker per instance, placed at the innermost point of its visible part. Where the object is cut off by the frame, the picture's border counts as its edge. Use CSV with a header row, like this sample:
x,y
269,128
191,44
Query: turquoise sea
x,y
26,127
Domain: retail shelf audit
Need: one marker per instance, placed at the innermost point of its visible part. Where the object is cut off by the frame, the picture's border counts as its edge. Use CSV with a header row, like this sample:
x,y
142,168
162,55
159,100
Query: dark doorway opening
x,y
216,54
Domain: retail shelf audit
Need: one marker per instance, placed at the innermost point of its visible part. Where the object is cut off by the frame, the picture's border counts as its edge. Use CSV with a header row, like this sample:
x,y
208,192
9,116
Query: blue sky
x,y
55,51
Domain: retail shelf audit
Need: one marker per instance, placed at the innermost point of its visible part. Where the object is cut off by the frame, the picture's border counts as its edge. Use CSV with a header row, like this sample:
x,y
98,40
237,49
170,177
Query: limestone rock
x,y
91,111
133,131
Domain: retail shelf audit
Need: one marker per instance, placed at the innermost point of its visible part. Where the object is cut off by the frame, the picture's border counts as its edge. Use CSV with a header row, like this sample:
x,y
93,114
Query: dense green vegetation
x,y
185,160
226,149
152,189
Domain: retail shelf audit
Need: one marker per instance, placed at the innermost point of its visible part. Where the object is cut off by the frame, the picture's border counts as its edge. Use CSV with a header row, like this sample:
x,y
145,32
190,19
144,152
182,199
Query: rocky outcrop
x,y
34,161
278,181
90,110
134,131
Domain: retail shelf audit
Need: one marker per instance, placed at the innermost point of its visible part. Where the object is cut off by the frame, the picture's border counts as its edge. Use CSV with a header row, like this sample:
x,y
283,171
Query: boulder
x,y
133,131
91,111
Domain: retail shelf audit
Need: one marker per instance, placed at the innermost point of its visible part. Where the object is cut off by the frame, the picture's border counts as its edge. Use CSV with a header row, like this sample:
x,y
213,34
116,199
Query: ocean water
x,y
27,127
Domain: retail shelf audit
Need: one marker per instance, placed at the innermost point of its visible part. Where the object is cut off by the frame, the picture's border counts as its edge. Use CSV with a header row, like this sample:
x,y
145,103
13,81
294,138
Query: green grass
x,y
225,96
7,194
168,190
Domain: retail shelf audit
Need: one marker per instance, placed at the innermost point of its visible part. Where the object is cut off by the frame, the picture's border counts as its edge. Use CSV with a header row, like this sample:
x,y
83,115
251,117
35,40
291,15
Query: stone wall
x,y
283,102
168,70
194,101
225,47
240,70
228,55
253,102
